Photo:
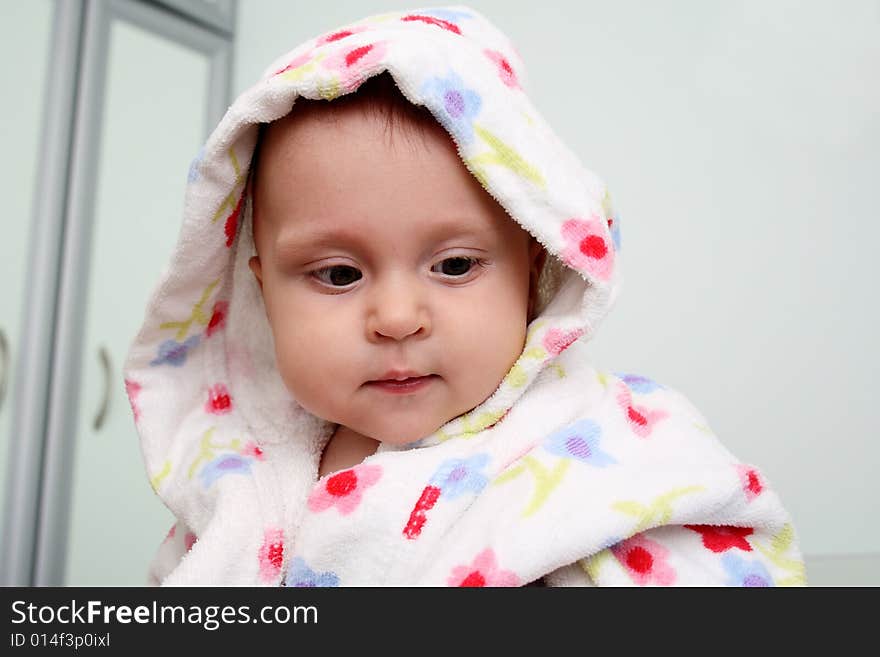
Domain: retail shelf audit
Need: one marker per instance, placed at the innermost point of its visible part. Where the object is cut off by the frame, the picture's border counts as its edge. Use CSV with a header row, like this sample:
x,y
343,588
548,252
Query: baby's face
x,y
380,254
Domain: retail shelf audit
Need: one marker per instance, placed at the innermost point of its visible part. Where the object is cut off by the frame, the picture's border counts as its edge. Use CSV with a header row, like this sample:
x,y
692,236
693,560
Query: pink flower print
x,y
132,389
218,318
556,341
189,540
587,247
219,402
431,20
271,555
345,489
170,533
484,571
751,480
353,64
295,63
644,561
252,449
505,70
642,419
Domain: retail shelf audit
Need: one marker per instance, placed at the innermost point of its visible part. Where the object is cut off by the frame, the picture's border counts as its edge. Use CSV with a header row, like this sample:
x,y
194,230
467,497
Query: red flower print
x,y
218,317
271,555
171,533
132,389
644,560
431,20
189,540
339,35
232,221
219,402
483,571
345,489
752,481
721,538
353,64
505,71
418,516
587,246
641,419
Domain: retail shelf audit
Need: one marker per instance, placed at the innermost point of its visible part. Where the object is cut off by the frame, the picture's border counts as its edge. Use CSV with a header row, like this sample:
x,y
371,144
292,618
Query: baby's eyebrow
x,y
291,243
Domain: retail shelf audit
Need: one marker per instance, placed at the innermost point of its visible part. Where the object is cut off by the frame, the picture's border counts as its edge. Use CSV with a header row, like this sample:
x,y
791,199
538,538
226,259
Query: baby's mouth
x,y
409,384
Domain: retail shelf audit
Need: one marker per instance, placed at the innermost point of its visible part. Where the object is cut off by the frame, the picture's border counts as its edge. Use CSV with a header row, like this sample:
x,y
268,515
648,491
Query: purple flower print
x,y
223,465
173,352
453,104
579,441
455,477
301,575
639,384
743,572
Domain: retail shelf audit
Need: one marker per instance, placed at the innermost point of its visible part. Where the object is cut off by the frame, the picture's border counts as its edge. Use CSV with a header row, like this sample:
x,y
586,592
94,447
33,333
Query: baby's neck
x,y
346,448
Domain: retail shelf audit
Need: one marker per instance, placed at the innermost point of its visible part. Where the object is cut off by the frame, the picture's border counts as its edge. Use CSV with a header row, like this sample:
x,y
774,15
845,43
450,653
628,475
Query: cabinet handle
x,y
4,366
104,357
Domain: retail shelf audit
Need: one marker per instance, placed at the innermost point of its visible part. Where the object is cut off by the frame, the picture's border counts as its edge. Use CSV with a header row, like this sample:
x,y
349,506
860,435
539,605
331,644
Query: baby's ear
x,y
257,268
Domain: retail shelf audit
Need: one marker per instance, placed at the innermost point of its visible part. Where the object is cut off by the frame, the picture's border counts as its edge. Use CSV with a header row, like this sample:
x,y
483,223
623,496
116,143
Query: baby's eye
x,y
457,266
337,275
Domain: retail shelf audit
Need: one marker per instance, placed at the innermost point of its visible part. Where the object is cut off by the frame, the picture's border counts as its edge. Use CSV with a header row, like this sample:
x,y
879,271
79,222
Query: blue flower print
x,y
223,465
579,441
455,477
194,166
745,573
300,575
639,384
173,352
453,104
615,232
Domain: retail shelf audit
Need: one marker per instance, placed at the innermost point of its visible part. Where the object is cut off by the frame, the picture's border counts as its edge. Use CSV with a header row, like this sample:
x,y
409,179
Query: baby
x,y
386,270
366,362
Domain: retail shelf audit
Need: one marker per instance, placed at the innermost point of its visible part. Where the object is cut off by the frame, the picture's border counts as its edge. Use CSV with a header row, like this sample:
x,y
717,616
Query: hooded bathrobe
x,y
565,473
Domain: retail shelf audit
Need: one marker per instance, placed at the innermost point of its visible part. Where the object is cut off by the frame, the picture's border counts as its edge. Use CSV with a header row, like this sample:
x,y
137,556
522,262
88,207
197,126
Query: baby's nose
x,y
399,309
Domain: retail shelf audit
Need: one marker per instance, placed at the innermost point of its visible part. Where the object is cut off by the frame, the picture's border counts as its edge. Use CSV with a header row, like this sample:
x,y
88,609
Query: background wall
x,y
741,143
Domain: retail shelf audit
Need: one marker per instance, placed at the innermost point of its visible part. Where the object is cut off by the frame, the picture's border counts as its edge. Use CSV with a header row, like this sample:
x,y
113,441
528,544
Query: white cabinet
x,y
150,84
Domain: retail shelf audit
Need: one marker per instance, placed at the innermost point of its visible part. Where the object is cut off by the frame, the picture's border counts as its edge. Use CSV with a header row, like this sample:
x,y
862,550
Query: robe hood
x,y
226,447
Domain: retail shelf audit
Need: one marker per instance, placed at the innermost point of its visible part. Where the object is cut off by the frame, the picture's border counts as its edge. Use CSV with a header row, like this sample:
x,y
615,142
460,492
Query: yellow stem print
x,y
156,479
659,512
484,420
206,450
231,199
198,315
779,545
592,565
298,73
503,155
545,481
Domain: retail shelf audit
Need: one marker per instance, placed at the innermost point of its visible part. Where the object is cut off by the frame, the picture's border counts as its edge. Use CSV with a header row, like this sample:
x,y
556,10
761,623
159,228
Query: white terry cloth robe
x,y
566,473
